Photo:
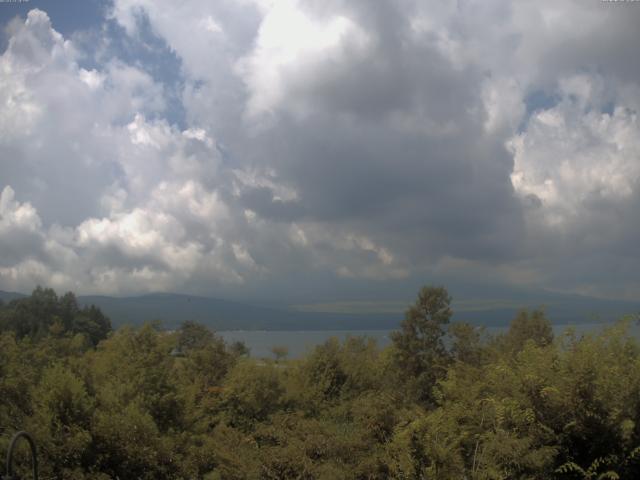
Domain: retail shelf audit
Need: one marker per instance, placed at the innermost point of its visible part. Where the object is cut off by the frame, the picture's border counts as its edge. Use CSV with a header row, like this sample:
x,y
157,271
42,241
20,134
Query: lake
x,y
260,342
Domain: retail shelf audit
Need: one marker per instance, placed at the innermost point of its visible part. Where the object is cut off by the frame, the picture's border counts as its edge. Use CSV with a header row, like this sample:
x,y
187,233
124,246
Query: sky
x,y
318,151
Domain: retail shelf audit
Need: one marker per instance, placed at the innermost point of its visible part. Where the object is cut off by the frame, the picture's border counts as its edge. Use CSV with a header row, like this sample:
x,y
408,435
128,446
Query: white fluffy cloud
x,y
15,216
290,47
574,157
119,192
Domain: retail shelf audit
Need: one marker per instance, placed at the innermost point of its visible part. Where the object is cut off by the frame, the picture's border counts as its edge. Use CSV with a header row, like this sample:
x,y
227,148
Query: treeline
x,y
444,401
44,313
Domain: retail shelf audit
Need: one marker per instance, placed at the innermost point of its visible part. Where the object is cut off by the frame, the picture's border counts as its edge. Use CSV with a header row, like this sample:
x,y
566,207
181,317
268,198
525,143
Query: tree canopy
x,y
419,345
44,313
444,401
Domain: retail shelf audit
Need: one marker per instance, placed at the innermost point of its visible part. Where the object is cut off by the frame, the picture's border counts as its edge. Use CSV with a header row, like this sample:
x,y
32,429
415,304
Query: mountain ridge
x,y
173,308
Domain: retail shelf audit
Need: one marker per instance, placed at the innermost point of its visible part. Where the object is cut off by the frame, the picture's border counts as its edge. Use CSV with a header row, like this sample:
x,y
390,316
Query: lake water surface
x,y
299,343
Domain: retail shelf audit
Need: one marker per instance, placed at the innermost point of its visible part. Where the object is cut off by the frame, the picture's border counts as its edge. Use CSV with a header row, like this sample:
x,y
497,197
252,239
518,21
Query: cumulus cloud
x,y
19,227
341,141
575,157
290,45
112,195
63,125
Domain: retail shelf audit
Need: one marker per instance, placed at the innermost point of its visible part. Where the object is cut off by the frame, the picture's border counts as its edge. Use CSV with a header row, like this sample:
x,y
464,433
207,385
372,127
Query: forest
x,y
444,401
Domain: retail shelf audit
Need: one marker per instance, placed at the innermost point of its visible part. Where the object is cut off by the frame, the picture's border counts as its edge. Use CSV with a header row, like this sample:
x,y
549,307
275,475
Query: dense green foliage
x,y
444,401
44,313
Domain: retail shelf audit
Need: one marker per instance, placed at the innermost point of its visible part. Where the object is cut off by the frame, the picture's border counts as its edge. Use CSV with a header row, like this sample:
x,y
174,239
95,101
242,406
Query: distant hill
x,y
173,309
6,297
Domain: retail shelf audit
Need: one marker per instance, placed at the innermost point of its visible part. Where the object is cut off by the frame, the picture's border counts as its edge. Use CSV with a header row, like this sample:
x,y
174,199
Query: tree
x,y
61,421
251,393
419,346
527,326
44,313
239,349
91,322
280,352
194,335
323,372
466,342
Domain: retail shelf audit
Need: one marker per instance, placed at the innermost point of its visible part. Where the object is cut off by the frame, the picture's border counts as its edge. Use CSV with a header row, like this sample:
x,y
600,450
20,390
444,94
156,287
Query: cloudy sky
x,y
320,150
